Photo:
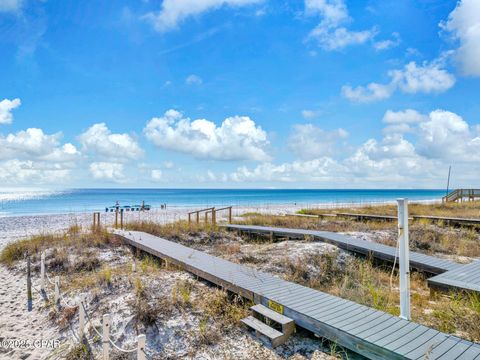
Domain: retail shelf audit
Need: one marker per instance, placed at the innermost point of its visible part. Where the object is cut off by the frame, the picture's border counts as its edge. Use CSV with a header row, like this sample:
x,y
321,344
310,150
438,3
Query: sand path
x,y
17,323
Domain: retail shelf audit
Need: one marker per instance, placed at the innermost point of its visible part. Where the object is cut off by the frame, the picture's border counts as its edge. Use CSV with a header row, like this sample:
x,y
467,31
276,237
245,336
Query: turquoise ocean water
x,y
80,200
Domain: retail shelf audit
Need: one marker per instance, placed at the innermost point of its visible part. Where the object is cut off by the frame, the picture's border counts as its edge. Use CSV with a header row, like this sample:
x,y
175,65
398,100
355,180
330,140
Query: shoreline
x,y
266,205
22,226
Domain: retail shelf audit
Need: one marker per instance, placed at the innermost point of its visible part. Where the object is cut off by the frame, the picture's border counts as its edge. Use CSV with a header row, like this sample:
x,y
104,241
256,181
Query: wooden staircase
x,y
461,195
270,326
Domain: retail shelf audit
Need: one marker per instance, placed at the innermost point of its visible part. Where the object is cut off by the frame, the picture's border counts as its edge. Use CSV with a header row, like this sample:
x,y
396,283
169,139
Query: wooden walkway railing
x,y
212,211
461,195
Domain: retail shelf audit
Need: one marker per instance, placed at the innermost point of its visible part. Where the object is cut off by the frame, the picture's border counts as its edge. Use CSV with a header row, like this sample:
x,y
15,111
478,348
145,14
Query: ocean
x,y
13,203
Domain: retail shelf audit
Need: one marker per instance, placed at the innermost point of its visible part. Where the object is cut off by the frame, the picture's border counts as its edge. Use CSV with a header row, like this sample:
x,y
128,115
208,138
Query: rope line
x,y
394,261
89,319
69,305
48,279
120,349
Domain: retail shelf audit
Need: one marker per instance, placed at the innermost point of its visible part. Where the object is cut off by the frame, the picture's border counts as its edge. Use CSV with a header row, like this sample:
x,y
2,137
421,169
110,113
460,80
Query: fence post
x,y
214,217
57,290
230,215
116,218
198,217
29,285
94,220
81,317
141,339
106,335
42,272
189,218
404,259
121,219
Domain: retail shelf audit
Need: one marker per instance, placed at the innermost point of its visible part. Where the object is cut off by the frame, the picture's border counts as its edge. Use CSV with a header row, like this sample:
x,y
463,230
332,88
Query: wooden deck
x,y
369,332
466,277
421,262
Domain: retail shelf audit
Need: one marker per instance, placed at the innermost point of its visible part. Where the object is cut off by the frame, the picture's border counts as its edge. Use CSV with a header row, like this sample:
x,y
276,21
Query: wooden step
x,y
274,337
270,314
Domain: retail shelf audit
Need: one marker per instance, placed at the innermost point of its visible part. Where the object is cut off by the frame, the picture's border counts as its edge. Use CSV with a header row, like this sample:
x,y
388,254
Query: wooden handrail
x,y
201,210
460,194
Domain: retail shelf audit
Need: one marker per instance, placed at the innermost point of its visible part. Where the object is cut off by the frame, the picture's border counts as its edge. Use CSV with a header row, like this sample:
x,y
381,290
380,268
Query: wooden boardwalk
x,y
450,221
369,332
475,223
426,263
450,275
466,277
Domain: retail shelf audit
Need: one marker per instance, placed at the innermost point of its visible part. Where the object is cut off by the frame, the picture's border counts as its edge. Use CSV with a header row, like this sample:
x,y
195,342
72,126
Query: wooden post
x,y
230,215
198,217
189,218
81,317
141,339
29,285
94,221
106,336
121,219
57,290
404,259
116,218
214,217
42,272
206,217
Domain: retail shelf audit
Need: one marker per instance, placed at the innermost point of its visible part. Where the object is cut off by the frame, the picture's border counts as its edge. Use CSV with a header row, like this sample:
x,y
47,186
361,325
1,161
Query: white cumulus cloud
x,y
173,12
107,171
33,143
329,33
430,77
464,25
100,141
6,107
388,43
309,141
435,141
237,138
446,135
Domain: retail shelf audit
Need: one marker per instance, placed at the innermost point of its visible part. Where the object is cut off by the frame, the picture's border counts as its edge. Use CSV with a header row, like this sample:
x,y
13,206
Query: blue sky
x,y
239,93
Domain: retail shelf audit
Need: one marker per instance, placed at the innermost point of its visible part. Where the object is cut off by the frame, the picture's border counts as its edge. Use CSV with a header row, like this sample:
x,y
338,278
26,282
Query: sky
x,y
239,93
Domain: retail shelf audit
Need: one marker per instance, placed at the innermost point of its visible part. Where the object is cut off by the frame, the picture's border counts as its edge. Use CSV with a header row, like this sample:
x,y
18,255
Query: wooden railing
x,y
207,211
198,212
461,194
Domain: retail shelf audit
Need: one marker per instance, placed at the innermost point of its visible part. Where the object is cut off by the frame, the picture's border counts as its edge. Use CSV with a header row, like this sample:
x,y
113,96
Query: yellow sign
x,y
275,306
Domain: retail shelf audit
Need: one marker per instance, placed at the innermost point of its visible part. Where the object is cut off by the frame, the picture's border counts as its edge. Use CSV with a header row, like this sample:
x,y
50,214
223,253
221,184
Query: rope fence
x,y
83,317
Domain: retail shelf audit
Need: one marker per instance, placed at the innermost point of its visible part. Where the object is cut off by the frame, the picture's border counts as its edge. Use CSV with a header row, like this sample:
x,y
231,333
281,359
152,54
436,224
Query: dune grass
x,y
424,237
469,209
34,245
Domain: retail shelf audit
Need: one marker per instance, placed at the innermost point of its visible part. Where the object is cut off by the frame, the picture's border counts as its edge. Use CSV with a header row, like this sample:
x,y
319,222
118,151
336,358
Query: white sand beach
x,y
16,322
